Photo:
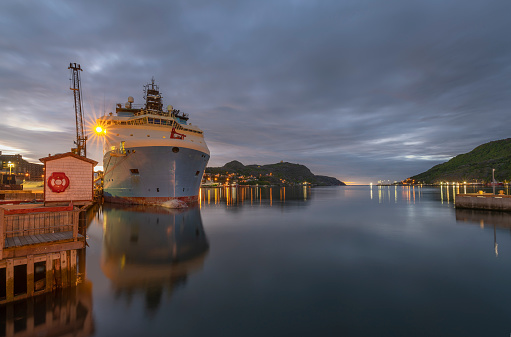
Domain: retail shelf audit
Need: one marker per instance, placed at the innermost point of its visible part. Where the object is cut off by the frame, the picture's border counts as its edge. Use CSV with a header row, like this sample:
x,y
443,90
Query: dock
x,y
485,201
38,249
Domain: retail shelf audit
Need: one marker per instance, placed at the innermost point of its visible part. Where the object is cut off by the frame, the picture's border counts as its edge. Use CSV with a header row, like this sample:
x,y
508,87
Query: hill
x,y
474,166
276,174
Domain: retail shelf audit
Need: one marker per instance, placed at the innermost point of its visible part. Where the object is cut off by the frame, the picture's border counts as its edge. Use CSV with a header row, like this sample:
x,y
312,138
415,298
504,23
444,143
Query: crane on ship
x,y
81,139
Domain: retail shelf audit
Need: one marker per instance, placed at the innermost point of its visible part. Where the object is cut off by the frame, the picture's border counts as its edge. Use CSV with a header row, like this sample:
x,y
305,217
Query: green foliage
x,y
474,166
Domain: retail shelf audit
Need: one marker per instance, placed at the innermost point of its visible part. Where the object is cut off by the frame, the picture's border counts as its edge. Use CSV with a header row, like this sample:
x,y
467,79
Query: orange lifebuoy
x,y
58,182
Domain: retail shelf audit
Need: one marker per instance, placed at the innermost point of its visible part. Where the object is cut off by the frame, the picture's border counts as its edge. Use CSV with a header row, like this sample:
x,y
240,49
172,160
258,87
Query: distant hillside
x,y
291,173
474,165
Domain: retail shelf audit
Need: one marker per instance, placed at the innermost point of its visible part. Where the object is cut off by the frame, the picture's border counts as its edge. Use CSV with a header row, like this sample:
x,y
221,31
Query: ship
x,y
152,155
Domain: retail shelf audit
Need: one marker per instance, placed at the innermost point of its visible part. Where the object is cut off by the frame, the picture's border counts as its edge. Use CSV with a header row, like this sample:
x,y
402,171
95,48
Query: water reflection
x,y
254,195
51,314
394,194
486,219
151,250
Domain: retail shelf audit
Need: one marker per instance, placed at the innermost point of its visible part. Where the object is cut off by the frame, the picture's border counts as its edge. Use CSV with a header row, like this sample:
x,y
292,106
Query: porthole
x,y
175,149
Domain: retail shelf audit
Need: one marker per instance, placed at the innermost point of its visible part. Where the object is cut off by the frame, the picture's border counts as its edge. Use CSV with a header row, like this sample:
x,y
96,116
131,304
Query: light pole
x,y
11,165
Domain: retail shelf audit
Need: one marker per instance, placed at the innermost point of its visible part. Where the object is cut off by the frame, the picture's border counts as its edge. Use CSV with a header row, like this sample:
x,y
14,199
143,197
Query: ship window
x,y
131,135
175,149
134,171
157,189
148,135
197,173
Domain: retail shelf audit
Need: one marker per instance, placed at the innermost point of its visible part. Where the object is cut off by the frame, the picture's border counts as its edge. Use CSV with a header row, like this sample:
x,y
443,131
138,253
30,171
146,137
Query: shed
x,y
68,177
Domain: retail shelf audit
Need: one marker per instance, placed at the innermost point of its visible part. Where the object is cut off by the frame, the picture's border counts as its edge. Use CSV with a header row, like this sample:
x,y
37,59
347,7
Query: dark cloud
x,y
361,90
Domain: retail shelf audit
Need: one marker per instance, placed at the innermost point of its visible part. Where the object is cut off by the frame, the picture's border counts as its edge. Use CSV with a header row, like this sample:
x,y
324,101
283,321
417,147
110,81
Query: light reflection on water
x,y
353,260
239,195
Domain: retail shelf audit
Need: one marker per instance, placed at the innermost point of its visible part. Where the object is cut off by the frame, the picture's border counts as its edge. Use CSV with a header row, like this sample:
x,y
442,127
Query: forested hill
x,y
277,174
473,166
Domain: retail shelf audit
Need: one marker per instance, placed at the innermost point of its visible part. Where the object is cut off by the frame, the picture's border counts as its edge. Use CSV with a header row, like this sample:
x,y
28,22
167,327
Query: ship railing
x,y
153,121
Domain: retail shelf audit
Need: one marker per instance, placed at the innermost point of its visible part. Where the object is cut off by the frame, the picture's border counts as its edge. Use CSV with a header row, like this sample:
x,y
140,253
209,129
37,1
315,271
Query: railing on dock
x,y
18,230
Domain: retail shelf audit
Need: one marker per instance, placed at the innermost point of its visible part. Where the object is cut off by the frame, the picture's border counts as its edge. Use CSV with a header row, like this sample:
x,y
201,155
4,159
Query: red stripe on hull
x,y
191,200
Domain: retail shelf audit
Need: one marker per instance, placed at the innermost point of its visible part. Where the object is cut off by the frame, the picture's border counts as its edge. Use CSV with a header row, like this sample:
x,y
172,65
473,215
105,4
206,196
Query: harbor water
x,y
300,261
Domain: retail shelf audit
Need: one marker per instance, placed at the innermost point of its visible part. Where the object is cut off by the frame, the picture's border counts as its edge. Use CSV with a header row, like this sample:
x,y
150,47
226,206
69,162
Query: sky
x,y
362,90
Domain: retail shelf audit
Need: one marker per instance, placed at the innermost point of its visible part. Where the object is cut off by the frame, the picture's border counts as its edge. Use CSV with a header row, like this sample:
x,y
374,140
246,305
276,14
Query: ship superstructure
x,y
152,155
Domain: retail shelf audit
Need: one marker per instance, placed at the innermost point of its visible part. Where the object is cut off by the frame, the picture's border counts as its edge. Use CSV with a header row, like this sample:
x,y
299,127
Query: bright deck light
x,y
100,130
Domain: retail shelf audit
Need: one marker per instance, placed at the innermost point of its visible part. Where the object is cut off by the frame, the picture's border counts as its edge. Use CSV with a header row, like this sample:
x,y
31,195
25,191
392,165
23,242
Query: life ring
x,y
58,182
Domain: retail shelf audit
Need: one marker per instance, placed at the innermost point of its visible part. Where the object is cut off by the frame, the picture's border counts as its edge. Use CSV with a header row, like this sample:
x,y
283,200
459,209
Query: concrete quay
x,y
486,201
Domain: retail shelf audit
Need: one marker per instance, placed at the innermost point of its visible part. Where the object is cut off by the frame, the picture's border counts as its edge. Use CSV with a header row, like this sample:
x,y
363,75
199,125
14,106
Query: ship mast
x,y
153,98
81,139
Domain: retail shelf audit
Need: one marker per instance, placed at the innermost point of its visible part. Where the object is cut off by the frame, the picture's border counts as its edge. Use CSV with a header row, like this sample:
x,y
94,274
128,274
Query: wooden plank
x,y
72,267
63,268
2,232
42,248
28,239
10,242
49,273
9,291
17,241
42,209
20,261
76,222
57,236
30,275
35,239
24,241
39,258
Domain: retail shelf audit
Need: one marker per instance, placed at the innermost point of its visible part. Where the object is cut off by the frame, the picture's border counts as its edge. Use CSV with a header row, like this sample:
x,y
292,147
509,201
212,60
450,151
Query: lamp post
x,y
11,165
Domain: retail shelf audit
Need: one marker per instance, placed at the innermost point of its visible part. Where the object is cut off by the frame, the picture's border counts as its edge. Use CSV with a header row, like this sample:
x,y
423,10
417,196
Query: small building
x,y
68,178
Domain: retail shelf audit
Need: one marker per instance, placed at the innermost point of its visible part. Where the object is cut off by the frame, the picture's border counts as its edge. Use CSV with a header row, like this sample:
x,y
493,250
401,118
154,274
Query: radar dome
x,y
127,105
131,99
170,107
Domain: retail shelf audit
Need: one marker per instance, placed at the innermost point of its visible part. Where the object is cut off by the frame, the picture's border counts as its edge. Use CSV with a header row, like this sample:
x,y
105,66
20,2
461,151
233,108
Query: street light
x,y
11,165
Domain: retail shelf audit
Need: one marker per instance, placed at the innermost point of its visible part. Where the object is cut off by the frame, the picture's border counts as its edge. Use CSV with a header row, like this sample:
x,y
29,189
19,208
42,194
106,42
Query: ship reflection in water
x,y
151,250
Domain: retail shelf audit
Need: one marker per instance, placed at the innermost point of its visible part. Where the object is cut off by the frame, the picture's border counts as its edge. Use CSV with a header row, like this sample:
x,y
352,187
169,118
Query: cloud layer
x,y
360,90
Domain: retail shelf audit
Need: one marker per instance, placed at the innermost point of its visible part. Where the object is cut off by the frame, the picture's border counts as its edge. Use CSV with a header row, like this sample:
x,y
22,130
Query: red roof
x,y
68,154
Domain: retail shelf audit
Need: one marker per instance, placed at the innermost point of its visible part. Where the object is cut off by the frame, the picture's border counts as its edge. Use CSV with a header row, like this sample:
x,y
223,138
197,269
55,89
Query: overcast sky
x,y
360,90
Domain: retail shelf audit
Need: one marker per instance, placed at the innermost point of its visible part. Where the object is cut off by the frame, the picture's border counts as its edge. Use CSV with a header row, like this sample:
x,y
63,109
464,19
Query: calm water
x,y
340,261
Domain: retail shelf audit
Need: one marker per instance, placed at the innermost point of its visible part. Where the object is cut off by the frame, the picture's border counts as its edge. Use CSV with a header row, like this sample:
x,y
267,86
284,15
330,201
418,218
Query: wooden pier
x,y
38,249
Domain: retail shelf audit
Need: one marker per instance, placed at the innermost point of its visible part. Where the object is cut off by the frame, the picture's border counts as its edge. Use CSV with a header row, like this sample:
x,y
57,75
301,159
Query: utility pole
x,y
81,139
